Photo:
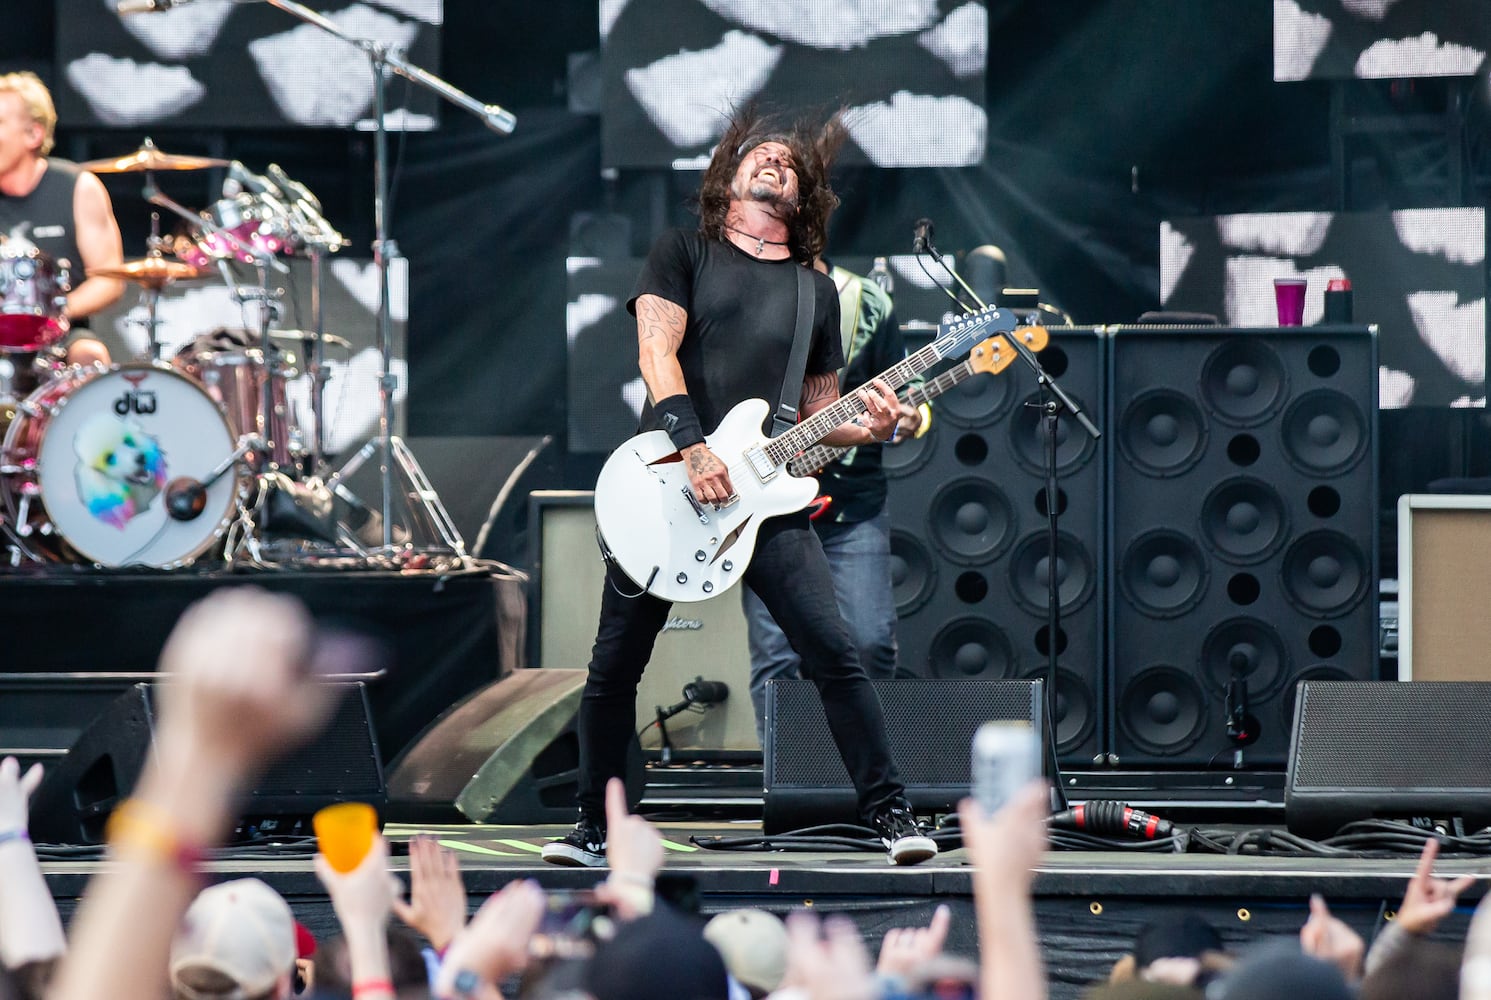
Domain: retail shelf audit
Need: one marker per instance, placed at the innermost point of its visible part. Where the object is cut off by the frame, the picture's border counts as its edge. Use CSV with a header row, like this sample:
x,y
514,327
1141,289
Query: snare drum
x,y
237,377
88,457
33,291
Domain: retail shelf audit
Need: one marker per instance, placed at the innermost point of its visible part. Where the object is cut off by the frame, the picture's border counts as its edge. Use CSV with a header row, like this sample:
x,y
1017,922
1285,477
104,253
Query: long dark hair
x,y
814,146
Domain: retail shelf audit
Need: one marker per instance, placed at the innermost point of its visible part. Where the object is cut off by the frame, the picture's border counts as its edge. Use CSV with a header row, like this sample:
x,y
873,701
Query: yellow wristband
x,y
137,826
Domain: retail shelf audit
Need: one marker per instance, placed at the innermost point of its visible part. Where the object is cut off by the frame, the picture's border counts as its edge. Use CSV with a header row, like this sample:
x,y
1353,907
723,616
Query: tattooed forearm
x,y
702,460
818,391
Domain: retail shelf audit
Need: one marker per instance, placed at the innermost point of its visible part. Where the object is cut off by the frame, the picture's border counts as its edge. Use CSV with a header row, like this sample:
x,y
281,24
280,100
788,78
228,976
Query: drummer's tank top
x,y
44,217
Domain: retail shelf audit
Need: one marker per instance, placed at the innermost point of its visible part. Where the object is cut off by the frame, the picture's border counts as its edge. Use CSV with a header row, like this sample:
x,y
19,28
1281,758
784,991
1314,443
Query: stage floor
x,y
1089,905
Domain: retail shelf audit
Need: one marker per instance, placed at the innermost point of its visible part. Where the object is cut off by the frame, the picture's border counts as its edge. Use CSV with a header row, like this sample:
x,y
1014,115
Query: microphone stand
x,y
1054,400
383,60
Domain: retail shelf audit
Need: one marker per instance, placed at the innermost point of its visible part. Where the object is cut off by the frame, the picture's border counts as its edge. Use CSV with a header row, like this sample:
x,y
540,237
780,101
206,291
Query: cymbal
x,y
302,335
150,157
152,272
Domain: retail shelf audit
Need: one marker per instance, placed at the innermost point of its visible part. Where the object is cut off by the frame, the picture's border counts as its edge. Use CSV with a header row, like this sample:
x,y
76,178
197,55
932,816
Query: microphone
x,y
1242,725
702,692
923,238
186,498
146,6
1106,818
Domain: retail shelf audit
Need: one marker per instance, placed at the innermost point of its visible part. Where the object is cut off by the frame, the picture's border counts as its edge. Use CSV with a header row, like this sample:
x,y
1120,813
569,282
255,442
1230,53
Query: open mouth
x,y
140,478
769,172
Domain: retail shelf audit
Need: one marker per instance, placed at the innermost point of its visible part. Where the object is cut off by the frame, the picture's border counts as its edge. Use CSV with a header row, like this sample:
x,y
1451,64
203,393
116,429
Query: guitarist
x,y
851,522
715,316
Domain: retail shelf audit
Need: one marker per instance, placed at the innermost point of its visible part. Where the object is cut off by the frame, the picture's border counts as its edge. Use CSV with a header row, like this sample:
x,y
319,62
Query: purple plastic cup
x,y
1289,296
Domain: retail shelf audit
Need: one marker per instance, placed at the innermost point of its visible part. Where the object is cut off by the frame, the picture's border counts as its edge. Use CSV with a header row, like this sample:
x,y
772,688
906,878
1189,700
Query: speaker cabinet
x,y
969,554
1243,531
100,770
1389,751
930,723
507,754
1443,578
704,639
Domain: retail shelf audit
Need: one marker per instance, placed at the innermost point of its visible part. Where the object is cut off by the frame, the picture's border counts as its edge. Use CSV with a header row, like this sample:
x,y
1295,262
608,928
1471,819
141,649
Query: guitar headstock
x,y
958,335
992,356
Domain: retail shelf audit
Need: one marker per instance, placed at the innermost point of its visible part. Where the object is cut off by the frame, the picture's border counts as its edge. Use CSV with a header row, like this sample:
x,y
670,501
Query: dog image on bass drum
x,y
121,469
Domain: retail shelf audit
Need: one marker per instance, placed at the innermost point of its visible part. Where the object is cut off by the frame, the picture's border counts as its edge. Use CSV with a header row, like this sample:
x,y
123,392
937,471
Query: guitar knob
x,y
728,565
708,587
683,578
699,556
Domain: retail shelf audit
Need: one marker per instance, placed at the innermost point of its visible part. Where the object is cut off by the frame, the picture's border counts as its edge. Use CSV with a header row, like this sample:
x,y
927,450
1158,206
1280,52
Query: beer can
x,y
1006,757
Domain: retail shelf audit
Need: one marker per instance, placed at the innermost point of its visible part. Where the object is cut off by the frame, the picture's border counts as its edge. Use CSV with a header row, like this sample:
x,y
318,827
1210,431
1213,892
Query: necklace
x,y
761,241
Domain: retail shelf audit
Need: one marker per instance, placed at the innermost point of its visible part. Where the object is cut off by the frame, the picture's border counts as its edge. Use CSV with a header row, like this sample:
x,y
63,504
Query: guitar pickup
x,y
764,468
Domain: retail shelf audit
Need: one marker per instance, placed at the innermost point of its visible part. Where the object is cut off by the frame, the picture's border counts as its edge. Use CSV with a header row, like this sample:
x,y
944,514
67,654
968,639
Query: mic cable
x,y
1107,818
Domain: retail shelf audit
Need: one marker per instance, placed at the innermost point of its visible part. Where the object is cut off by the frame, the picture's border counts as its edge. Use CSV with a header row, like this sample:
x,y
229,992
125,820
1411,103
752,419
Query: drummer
x,y
50,204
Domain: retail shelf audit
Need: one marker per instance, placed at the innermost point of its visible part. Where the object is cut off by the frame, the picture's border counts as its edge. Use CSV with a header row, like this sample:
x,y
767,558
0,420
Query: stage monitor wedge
x,y
1388,750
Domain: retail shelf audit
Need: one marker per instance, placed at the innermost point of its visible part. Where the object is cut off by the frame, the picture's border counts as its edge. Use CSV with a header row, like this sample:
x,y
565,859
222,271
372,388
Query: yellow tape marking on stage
x,y
686,848
461,845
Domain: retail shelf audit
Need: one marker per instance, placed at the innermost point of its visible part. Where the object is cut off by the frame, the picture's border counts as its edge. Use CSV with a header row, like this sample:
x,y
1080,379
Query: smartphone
x,y
569,913
1006,757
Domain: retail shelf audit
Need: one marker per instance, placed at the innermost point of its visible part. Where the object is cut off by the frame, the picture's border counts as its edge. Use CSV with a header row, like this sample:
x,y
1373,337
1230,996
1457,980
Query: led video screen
x,y
224,64
1380,39
910,72
1419,274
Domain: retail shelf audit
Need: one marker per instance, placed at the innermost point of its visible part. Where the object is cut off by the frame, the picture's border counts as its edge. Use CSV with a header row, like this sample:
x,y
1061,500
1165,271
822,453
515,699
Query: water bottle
x,y
880,274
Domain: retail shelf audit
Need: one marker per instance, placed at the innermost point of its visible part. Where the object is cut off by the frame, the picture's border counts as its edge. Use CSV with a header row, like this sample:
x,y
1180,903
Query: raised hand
x,y
1428,900
436,906
15,794
905,948
1326,937
494,945
828,962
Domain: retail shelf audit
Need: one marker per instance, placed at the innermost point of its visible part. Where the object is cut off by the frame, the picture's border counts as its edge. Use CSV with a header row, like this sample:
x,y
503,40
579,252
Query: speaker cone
x,y
906,457
1163,710
913,571
977,401
1326,573
971,521
1030,580
1076,714
1162,432
1324,432
971,648
1074,446
1244,520
1163,573
1248,649
1244,382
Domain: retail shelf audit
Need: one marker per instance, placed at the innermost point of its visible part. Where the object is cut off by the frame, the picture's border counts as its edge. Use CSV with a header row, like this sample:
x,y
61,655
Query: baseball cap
x,y
241,930
754,946
663,954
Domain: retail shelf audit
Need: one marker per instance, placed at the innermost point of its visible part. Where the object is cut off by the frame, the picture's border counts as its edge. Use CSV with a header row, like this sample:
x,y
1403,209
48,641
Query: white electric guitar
x,y
678,548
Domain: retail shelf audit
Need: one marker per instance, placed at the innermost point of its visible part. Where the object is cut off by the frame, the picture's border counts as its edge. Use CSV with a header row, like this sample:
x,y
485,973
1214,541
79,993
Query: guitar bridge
x,y
764,468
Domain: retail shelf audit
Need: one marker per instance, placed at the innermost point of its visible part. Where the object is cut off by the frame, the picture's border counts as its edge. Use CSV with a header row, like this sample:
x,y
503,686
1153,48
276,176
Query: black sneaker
x,y
904,838
582,847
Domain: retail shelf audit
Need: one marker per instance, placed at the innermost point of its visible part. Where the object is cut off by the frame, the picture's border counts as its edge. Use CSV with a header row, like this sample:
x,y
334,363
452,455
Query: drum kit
x,y
161,463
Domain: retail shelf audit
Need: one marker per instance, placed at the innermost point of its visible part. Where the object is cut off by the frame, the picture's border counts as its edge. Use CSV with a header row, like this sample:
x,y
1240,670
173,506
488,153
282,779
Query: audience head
x,y
1280,969
236,942
1418,968
663,954
753,944
406,965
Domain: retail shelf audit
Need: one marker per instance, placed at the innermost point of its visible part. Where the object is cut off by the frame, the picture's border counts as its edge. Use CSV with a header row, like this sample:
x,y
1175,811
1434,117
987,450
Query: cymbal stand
x,y
384,60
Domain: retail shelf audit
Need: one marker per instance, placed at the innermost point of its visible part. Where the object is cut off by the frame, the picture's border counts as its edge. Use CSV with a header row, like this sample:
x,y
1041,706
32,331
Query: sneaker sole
x,y
912,850
571,857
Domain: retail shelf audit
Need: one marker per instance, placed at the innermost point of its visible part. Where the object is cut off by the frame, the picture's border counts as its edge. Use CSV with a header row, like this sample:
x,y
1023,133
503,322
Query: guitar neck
x,y
805,435
819,455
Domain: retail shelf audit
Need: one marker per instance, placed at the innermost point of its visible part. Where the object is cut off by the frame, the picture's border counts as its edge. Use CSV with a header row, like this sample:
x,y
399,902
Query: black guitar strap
x,y
797,364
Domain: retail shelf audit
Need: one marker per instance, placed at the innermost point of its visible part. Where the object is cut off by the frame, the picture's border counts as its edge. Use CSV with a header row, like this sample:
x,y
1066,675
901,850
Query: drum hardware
x,y
383,59
33,298
152,273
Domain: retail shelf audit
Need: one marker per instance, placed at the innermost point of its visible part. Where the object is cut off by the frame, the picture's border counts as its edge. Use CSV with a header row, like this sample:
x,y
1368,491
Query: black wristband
x,y
676,416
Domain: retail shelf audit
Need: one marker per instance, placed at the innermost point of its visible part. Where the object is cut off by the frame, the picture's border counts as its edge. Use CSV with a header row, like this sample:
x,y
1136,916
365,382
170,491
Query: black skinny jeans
x,y
791,575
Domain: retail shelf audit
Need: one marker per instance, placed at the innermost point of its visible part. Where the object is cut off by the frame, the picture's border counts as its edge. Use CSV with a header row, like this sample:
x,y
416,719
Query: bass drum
x,y
88,457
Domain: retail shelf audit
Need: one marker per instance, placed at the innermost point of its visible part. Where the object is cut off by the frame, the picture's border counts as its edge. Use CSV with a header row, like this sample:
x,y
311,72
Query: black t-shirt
x,y
741,314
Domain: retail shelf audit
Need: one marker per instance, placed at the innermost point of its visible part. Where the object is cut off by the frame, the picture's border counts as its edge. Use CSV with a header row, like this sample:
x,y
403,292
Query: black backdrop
x,y
1105,116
